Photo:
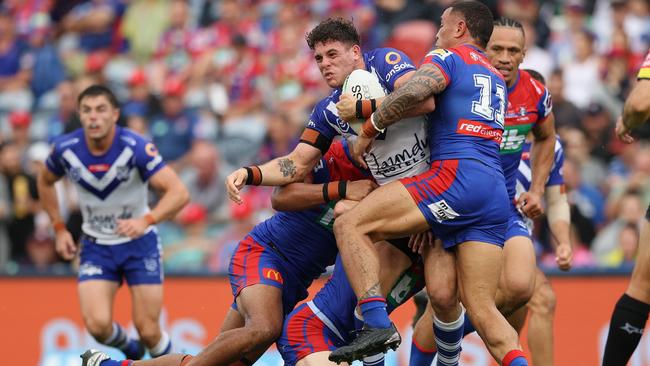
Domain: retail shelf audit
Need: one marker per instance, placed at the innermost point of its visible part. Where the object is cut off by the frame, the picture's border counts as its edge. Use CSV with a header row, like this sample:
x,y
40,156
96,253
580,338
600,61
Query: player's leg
x,y
99,280
631,311
147,304
442,289
540,323
387,212
479,267
423,348
517,280
318,359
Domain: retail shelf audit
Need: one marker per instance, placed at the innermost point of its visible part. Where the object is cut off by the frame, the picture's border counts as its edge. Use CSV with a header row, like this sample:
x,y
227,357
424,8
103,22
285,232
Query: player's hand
x,y
133,228
359,189
564,256
347,108
234,183
622,132
530,204
65,245
418,242
360,146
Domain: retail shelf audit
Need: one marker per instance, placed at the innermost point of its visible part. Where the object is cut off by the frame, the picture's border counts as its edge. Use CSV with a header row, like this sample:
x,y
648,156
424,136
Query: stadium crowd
x,y
226,83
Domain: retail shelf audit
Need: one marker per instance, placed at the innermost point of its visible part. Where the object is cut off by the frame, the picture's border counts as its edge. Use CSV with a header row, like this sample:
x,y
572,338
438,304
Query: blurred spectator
x,y
204,180
48,70
587,203
65,119
15,67
23,200
536,58
41,255
569,25
93,23
190,252
566,113
141,105
243,221
281,137
20,122
174,131
630,212
598,128
144,23
581,74
576,147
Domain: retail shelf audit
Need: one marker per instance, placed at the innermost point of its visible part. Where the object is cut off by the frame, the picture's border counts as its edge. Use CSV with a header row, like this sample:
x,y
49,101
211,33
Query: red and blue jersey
x,y
524,173
469,116
529,103
388,64
304,239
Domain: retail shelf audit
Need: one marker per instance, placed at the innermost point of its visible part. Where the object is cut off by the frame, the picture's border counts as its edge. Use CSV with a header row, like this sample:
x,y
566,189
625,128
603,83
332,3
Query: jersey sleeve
x,y
545,103
54,162
644,72
391,65
555,177
319,131
444,59
147,158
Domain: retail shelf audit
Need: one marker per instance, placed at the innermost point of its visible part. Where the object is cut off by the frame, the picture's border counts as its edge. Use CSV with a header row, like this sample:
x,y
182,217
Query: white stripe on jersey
x,y
89,177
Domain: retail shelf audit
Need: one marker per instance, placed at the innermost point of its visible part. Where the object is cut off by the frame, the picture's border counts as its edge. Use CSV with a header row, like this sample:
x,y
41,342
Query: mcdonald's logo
x,y
273,275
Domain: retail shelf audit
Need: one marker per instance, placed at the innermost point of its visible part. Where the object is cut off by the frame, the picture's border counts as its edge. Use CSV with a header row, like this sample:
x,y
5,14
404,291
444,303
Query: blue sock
x,y
373,310
519,361
448,339
131,348
469,327
420,356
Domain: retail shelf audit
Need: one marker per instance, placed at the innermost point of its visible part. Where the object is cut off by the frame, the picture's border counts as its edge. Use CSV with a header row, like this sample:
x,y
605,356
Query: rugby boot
x,y
93,357
369,341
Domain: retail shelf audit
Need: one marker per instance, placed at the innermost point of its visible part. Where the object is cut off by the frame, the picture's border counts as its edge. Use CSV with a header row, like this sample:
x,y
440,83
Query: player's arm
x,y
636,110
559,220
277,172
64,243
173,197
349,108
427,81
541,157
303,196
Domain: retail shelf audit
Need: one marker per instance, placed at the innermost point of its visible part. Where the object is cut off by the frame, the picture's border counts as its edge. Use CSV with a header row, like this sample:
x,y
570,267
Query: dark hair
x,y
333,29
510,23
536,75
478,19
97,90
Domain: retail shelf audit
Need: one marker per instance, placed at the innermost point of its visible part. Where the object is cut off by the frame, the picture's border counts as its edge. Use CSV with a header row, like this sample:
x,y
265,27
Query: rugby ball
x,y
362,85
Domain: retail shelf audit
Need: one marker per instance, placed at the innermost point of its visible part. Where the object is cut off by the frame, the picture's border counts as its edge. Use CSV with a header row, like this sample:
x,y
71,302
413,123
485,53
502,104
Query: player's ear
x,y
356,49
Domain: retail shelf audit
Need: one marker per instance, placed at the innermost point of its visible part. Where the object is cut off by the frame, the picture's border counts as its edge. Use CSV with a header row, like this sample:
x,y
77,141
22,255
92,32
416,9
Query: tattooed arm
x,y
277,172
426,82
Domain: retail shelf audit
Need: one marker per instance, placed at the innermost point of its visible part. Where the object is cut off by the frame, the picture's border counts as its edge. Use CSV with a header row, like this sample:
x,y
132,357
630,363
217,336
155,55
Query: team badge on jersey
x,y
441,53
393,58
122,172
75,173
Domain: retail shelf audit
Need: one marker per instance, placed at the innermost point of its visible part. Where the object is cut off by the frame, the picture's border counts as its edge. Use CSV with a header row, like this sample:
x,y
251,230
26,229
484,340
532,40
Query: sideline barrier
x,y
41,324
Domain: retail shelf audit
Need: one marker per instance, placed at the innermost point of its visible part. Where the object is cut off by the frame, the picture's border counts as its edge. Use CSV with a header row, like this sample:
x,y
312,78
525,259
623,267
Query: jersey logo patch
x,y
473,128
392,58
273,275
442,211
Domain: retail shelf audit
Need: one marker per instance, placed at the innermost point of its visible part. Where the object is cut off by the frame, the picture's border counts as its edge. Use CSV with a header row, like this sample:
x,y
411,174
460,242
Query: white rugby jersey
x,y
401,151
111,186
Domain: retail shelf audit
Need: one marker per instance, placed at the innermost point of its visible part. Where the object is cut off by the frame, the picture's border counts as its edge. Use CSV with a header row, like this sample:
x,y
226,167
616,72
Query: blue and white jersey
x,y
524,173
111,186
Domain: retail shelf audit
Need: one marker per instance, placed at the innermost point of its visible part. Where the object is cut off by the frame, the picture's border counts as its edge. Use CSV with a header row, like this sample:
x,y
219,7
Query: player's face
x,y
506,51
98,117
448,26
336,61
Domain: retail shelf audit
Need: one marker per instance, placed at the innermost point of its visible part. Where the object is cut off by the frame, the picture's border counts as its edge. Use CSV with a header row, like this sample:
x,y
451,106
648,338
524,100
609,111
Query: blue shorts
x,y
516,225
253,263
462,200
138,261
303,333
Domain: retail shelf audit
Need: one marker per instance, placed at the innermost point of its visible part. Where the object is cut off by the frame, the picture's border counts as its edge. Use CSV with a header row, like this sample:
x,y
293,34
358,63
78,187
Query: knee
x,y
149,332
100,328
443,299
344,224
544,300
519,290
263,333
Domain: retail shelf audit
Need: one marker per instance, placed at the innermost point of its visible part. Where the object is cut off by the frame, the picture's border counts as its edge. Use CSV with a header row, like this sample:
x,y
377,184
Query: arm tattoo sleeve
x,y
374,291
287,167
428,80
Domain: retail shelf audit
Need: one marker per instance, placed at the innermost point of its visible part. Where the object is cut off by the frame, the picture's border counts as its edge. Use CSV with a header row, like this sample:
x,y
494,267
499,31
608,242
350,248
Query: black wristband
x,y
325,195
373,104
359,109
343,187
249,175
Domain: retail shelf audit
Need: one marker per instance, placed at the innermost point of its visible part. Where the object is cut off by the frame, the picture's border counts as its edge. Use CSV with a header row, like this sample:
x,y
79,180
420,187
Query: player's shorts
x,y
253,263
462,200
138,261
516,225
304,333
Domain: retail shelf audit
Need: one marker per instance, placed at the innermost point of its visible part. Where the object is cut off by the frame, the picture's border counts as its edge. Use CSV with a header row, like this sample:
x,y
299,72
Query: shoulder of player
x,y
532,85
131,138
69,140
